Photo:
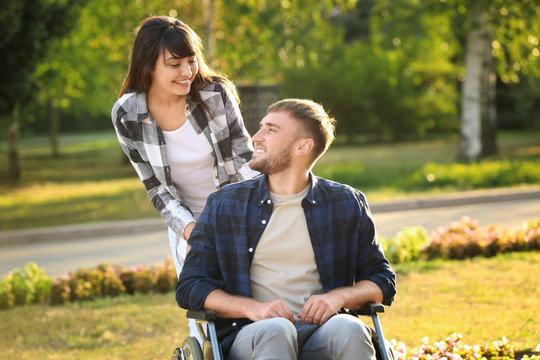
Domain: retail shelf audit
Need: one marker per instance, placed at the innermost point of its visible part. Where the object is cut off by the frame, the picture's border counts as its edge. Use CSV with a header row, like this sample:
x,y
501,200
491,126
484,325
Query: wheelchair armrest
x,y
205,315
371,309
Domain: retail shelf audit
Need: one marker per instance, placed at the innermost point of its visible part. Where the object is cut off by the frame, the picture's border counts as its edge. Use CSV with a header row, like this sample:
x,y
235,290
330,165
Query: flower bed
x,y
453,348
460,240
32,285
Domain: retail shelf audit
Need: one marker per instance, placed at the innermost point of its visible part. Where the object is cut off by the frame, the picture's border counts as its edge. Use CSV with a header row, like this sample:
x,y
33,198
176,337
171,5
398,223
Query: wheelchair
x,y
191,349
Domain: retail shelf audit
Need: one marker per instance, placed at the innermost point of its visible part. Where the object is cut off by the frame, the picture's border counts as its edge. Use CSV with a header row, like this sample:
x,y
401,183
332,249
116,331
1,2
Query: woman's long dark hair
x,y
160,33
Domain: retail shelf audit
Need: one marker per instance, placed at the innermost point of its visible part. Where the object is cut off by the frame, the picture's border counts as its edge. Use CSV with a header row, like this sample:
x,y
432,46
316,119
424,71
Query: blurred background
x,y
432,98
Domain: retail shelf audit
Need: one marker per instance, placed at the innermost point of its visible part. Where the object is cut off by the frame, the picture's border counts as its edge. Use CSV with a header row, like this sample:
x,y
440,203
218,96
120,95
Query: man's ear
x,y
304,147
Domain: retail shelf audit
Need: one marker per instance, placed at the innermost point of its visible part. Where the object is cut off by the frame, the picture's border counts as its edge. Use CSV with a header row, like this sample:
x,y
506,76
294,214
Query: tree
x,y
28,27
490,38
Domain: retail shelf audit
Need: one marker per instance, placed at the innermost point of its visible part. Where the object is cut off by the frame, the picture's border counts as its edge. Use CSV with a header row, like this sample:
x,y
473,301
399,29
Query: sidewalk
x,y
156,224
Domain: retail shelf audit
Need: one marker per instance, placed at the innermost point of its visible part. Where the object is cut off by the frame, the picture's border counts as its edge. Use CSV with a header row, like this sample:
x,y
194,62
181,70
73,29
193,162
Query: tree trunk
x,y
14,164
208,18
489,111
54,124
477,96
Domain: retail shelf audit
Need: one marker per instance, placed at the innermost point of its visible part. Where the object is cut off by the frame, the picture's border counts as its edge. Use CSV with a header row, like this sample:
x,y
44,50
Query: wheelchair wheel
x,y
190,350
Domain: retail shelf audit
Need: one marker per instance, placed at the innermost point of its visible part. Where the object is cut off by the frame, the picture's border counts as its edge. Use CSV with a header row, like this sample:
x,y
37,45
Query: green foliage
x,y
26,286
376,92
109,281
149,326
475,175
28,27
406,245
497,173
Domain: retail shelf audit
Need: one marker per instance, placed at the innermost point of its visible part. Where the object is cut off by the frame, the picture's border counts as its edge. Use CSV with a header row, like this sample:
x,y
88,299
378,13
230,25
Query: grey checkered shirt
x,y
142,140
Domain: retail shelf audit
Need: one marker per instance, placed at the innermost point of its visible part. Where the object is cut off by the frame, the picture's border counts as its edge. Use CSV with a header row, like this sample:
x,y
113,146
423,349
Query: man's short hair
x,y
314,120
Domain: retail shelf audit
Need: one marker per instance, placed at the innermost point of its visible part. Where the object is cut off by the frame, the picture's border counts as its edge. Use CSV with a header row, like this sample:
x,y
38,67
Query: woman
x,y
180,125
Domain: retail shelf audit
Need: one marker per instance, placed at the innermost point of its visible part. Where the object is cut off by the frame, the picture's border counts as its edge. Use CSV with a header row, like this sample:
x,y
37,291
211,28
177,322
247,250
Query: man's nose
x,y
258,136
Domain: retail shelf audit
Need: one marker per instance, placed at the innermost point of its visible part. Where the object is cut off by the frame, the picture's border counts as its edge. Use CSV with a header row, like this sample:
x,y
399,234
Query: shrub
x,y
112,283
60,290
137,279
407,245
476,175
497,240
7,299
460,240
25,286
165,276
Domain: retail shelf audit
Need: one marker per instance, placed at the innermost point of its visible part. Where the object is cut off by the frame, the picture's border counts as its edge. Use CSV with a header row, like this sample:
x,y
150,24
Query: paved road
x,y
60,257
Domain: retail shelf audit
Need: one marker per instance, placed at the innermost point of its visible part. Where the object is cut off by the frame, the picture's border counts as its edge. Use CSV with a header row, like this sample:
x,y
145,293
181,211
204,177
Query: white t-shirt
x,y
283,265
192,165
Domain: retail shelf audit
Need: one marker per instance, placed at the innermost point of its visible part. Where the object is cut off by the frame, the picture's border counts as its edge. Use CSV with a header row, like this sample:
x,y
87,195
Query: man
x,y
280,258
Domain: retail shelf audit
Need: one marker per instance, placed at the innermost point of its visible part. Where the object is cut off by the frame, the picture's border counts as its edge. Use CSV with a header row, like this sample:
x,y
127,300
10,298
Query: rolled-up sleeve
x,y
372,264
200,274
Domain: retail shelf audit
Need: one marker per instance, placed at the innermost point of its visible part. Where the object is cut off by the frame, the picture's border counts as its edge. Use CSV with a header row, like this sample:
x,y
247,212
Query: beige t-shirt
x,y
284,265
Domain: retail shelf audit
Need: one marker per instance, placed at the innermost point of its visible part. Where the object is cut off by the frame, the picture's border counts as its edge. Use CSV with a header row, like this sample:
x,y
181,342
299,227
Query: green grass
x,y
90,182
483,299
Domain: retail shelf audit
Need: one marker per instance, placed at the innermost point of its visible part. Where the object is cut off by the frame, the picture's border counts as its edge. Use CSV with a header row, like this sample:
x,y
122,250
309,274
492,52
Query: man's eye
x,y
174,65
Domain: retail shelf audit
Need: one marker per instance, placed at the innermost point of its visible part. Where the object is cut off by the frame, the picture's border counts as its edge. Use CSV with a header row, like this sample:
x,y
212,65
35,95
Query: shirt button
x,y
268,201
234,324
263,221
313,201
250,249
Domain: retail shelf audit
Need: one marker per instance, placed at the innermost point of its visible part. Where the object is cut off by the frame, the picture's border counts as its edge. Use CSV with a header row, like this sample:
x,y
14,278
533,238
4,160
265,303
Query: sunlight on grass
x,y
147,327
483,299
91,181
61,204
51,192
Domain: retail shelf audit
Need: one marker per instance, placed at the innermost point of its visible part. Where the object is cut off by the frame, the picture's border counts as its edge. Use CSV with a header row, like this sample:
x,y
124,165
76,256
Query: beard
x,y
272,164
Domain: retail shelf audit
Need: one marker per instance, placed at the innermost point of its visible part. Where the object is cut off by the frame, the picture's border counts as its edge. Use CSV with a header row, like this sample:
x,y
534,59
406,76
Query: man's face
x,y
274,143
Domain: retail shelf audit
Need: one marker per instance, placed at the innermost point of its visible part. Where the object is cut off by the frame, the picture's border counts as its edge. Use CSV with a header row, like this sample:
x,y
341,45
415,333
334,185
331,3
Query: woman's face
x,y
174,75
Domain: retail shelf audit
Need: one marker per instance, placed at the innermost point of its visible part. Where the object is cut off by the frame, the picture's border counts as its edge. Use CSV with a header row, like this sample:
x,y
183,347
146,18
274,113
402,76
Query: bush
x,y
165,276
463,239
60,290
476,175
460,240
406,246
25,286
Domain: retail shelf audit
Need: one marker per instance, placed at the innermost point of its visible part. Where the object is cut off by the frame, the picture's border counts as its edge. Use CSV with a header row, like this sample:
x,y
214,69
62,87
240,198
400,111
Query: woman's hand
x,y
188,229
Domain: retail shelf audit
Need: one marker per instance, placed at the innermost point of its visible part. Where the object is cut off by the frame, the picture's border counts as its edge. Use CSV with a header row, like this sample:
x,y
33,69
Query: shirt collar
x,y
261,189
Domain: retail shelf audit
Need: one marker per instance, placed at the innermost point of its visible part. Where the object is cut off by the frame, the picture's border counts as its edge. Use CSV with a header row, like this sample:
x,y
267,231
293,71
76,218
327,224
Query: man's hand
x,y
319,308
229,306
267,310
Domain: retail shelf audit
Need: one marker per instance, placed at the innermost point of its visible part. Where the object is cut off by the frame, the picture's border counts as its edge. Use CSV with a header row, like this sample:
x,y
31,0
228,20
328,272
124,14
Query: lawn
x,y
91,182
483,299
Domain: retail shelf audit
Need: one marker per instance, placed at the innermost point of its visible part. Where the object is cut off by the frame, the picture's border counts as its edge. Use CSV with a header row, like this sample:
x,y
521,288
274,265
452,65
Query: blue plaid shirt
x,y
225,238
